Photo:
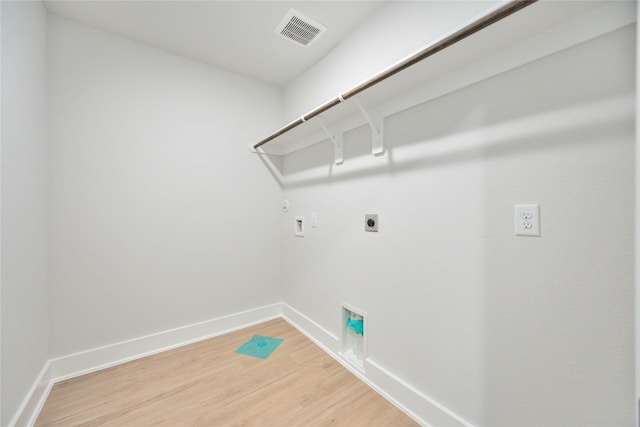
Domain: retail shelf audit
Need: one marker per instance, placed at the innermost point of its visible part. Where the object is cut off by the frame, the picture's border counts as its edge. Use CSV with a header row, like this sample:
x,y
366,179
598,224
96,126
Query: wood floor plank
x,y
209,384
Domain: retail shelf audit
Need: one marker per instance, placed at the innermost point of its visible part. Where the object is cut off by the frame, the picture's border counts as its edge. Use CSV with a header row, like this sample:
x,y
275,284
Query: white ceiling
x,y
235,35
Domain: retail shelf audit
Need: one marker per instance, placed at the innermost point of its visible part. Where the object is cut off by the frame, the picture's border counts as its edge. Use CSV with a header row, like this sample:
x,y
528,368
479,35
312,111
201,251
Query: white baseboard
x,y
410,400
33,402
115,354
84,362
316,333
413,402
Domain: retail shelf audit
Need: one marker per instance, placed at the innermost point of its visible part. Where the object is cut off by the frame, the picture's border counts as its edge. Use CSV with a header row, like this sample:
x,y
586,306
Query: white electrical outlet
x,y
527,220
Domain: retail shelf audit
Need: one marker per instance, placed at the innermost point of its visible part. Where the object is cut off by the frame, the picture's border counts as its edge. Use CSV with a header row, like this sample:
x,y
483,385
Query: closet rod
x,y
495,16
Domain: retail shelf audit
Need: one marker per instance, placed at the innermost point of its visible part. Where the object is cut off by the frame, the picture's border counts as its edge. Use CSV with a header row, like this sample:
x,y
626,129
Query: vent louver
x,y
300,29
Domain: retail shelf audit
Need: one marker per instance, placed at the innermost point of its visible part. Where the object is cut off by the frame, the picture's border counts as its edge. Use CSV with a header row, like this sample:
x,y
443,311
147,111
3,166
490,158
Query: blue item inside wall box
x,y
356,324
260,346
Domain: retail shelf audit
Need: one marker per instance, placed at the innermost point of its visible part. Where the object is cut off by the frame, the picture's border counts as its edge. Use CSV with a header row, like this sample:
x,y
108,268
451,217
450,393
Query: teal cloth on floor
x,y
260,346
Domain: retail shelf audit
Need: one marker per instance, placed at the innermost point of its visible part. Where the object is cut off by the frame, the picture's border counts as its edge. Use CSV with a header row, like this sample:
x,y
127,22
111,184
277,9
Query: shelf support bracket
x,y
254,150
375,121
336,139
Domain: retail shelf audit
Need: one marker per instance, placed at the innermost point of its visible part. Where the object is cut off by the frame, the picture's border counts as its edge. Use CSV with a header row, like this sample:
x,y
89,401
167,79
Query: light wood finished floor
x,y
208,384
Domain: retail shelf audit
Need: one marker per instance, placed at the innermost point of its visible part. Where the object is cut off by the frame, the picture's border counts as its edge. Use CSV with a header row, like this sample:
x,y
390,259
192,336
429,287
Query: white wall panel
x,y
499,329
24,284
160,215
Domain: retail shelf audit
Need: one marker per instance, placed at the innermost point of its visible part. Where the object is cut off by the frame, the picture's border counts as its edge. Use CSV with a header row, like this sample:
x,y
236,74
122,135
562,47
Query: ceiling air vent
x,y
299,28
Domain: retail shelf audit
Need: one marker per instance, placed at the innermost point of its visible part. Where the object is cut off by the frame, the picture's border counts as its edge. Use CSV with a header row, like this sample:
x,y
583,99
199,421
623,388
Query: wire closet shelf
x,y
463,33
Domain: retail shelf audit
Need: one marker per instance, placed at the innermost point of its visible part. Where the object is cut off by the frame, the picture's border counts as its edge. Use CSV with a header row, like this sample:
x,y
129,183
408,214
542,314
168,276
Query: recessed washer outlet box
x,y
353,345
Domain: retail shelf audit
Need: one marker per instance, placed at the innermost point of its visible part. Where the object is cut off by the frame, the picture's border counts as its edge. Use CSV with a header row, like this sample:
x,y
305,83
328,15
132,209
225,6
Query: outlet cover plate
x,y
371,222
526,219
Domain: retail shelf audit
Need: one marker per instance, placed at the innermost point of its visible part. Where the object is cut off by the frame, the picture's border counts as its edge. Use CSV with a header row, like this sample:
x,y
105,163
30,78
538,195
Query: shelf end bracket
x,y
258,150
336,139
375,121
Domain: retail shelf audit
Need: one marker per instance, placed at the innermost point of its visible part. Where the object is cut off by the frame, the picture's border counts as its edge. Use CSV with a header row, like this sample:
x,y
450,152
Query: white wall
x,y
637,223
24,321
502,330
160,215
